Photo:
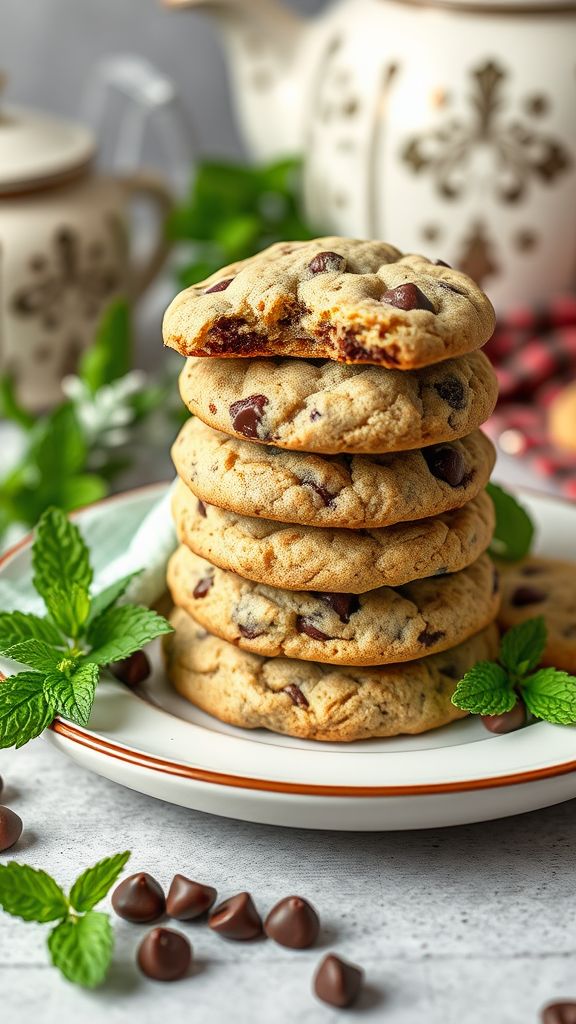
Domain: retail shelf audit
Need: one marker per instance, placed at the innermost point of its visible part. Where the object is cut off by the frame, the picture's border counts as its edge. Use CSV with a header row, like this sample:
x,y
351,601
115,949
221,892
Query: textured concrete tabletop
x,y
473,925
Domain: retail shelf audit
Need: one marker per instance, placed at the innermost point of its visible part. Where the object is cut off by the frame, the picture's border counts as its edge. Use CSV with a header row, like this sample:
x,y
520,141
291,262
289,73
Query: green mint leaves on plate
x,y
82,941
493,688
64,651
514,531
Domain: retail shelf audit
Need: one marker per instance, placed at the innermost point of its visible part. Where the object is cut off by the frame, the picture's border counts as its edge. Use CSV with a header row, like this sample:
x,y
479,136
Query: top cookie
x,y
333,298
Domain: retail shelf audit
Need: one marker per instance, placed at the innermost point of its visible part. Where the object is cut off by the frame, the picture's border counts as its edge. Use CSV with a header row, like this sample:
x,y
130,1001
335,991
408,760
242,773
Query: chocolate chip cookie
x,y
351,491
376,628
328,407
311,558
314,701
333,298
544,586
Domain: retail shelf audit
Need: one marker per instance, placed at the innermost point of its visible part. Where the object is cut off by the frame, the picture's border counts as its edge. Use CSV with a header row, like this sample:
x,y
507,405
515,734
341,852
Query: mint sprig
x,y
82,942
492,688
514,529
66,649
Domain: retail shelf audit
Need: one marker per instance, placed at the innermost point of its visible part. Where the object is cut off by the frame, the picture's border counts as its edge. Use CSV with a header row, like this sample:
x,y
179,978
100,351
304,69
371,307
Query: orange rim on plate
x,y
140,759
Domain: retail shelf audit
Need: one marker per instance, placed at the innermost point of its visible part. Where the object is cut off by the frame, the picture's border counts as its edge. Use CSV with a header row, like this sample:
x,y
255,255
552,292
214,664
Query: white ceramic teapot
x,y
443,126
64,248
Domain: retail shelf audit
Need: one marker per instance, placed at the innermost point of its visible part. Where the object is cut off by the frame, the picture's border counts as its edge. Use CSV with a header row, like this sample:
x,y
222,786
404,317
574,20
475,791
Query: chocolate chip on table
x,y
164,955
343,604
10,828
451,390
139,899
187,900
303,625
337,982
246,414
132,670
293,922
220,286
523,596
407,296
507,722
296,695
430,637
236,918
445,463
559,1013
327,261
203,586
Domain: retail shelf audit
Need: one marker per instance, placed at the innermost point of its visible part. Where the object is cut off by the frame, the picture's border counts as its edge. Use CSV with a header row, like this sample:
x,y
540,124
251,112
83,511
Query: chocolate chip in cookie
x,y
247,413
445,463
407,296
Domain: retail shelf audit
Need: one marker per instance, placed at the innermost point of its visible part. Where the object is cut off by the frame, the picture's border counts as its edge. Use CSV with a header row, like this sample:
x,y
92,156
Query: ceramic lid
x,y
37,149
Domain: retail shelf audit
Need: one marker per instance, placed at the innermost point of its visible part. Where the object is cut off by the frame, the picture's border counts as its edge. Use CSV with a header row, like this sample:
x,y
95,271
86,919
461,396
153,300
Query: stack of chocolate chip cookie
x,y
331,580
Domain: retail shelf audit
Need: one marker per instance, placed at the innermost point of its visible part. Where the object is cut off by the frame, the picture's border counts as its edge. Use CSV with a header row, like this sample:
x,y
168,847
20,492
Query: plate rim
x,y
150,762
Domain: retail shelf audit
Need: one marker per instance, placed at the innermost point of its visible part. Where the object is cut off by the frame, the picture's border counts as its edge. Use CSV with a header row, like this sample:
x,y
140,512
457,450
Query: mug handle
x,y
141,184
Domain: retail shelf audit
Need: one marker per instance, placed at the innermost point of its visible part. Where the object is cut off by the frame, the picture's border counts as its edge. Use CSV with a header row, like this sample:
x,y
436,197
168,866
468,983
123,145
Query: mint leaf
x,y
24,710
485,690
81,948
68,607
34,653
59,555
110,355
551,695
18,626
522,646
119,632
30,894
514,531
92,885
73,696
107,597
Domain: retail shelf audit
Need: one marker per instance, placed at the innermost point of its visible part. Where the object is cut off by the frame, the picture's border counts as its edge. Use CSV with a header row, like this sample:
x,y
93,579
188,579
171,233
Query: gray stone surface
x,y
471,925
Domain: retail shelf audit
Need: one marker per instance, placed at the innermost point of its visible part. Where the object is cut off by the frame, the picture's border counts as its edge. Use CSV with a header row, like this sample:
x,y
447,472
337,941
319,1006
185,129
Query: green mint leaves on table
x,y
493,688
64,651
81,944
514,531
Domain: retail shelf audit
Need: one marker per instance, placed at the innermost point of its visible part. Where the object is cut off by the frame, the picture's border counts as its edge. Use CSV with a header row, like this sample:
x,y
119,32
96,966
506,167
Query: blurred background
x,y
143,145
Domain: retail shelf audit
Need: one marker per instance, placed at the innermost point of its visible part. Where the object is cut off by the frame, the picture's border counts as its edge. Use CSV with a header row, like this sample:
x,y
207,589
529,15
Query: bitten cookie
x,y
333,298
352,561
352,491
544,586
331,408
313,701
379,627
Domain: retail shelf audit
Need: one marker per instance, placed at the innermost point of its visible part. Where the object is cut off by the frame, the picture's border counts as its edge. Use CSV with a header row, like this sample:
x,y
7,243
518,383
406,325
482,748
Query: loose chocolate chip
x,y
187,900
441,263
293,922
296,695
407,296
220,286
250,632
203,586
164,955
139,899
507,722
445,463
430,637
303,625
246,414
10,828
559,1013
523,596
201,508
337,982
451,390
327,261
343,604
236,918
132,670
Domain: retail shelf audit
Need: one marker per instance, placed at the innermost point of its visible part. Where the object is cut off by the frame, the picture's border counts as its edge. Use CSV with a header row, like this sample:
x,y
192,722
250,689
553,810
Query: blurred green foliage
x,y
234,211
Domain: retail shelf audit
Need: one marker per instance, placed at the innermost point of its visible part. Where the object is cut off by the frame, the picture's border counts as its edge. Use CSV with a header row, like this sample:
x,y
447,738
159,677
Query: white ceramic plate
x,y
159,744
